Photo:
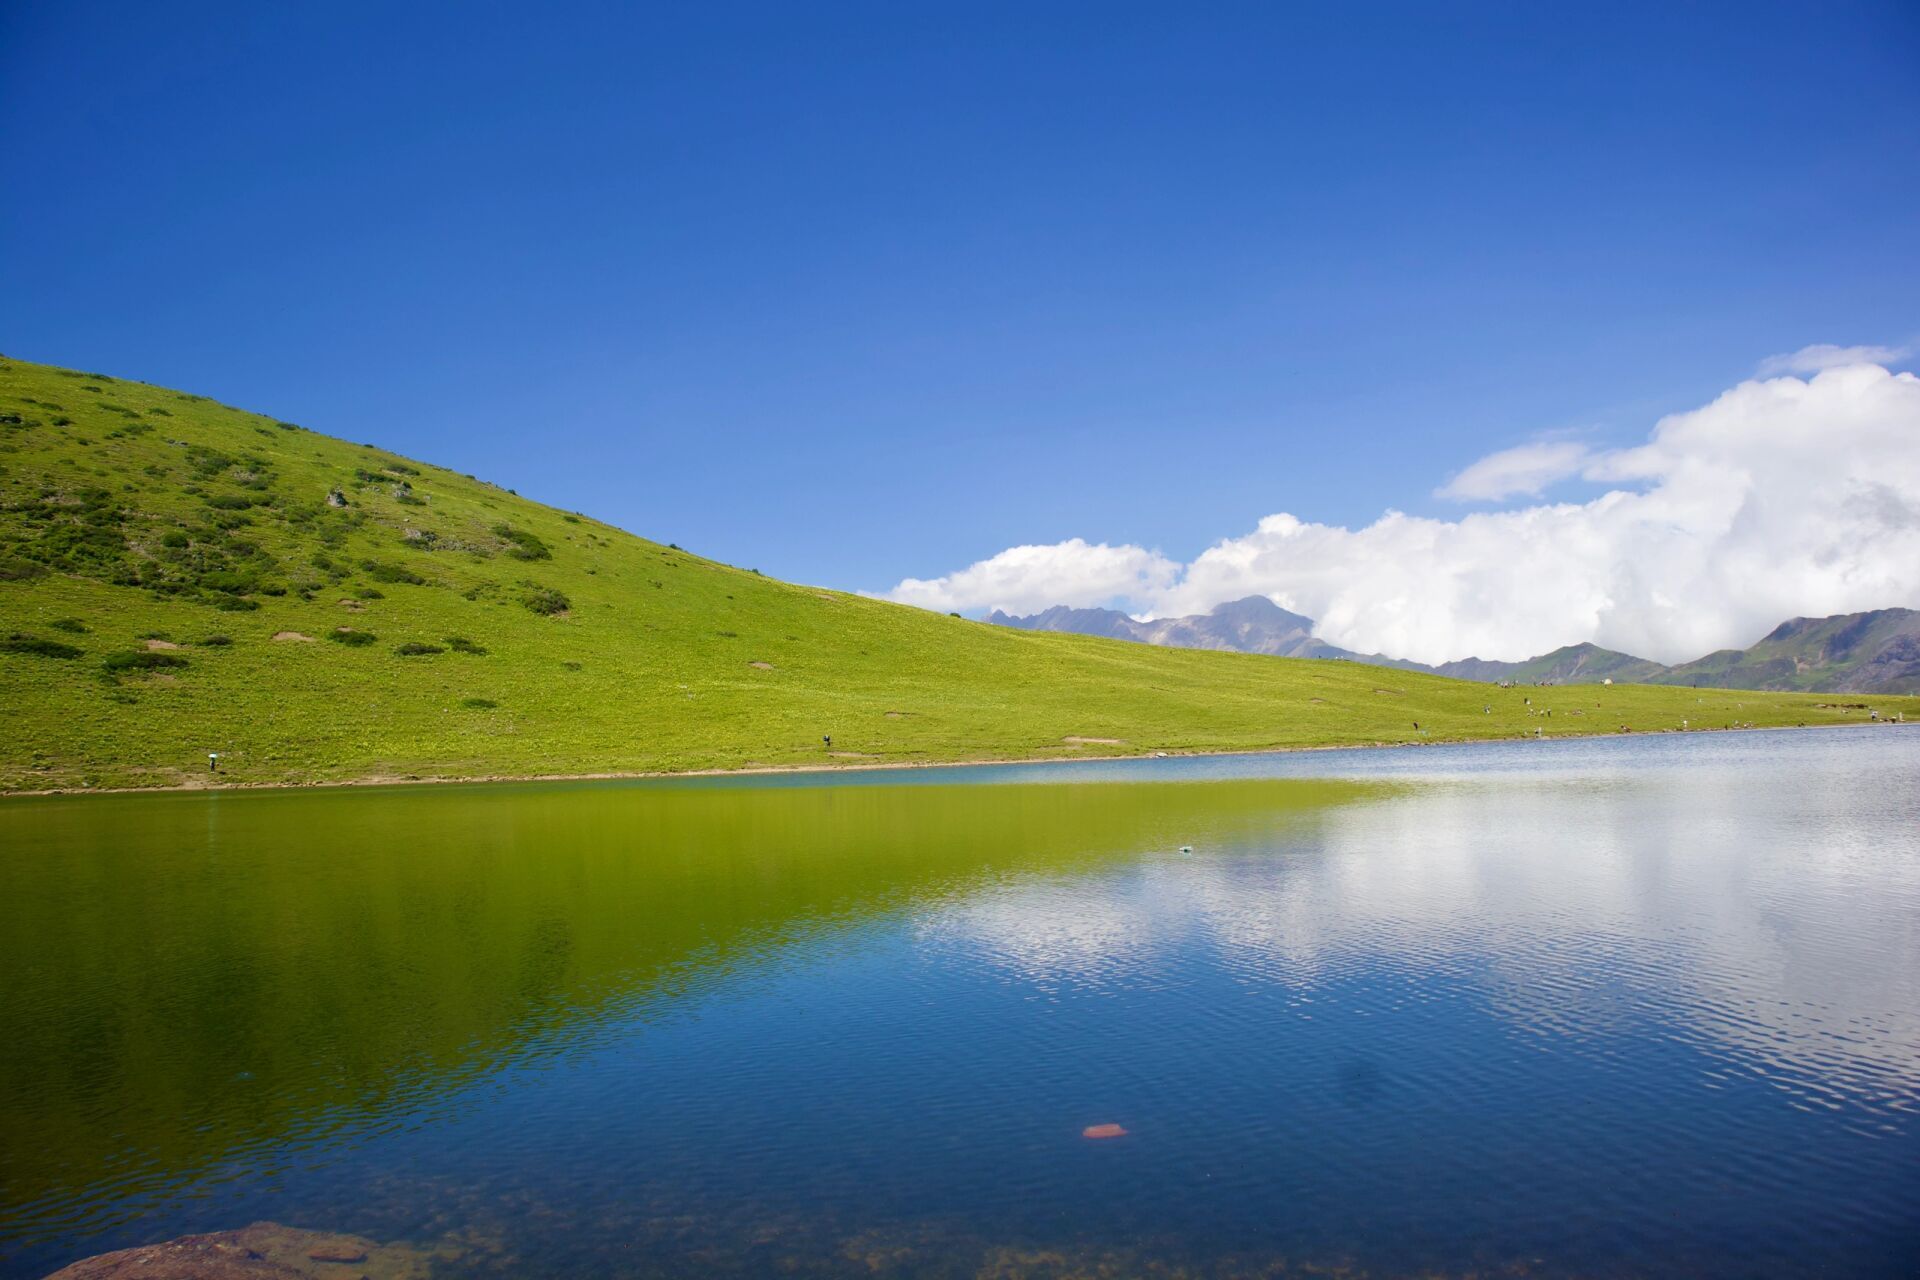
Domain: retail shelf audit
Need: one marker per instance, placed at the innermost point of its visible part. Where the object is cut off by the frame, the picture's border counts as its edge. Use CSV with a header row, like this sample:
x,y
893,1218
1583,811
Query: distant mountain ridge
x,y
1253,625
1873,652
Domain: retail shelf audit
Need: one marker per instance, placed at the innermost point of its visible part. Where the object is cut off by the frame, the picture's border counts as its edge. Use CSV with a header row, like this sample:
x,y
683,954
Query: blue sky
x,y
857,293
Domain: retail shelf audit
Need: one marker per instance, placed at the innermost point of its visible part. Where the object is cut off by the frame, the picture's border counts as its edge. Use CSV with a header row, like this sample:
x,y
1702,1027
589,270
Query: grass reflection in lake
x,y
200,986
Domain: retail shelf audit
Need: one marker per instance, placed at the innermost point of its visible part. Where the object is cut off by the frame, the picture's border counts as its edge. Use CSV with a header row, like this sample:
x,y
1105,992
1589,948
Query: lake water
x,y
1612,1007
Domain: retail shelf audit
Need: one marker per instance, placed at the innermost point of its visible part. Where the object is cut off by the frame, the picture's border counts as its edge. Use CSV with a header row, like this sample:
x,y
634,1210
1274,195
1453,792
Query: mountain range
x,y
1873,652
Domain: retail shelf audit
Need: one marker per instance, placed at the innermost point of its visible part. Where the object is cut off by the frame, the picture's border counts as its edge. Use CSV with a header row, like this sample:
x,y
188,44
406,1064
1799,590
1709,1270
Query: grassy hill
x,y
179,577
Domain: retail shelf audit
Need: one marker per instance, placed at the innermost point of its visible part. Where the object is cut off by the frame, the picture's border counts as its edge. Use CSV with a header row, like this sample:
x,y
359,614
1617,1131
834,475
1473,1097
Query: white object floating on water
x,y
1186,848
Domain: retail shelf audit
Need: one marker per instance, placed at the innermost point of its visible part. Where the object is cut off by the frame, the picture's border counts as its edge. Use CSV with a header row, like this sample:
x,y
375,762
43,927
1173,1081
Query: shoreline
x,y
825,770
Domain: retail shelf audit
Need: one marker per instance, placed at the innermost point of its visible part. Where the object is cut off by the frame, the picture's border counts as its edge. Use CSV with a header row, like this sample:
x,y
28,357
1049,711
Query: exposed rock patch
x,y
263,1251
292,635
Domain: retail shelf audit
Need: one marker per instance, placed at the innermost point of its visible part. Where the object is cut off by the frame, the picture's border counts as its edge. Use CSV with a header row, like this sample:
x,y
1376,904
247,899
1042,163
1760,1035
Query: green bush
x,y
546,601
354,639
14,569
380,571
207,463
17,643
523,545
479,704
415,649
460,644
217,641
235,582
142,660
71,625
235,604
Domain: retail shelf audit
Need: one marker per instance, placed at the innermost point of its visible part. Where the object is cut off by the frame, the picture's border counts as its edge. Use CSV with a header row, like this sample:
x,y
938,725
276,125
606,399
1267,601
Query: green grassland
x,y
179,577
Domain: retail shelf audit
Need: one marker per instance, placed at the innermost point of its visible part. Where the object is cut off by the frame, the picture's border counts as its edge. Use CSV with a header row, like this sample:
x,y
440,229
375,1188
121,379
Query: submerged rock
x,y
263,1251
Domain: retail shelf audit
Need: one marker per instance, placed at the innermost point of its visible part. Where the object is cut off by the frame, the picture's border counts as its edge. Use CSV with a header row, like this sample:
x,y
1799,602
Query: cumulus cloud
x,y
1527,468
1784,496
1824,355
1028,579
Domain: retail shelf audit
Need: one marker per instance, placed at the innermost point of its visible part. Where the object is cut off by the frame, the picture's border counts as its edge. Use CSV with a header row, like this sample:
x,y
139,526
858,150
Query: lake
x,y
1606,1007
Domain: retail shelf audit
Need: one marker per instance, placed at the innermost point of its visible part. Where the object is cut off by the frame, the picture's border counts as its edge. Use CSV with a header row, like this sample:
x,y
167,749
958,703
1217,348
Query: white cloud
x,y
1527,468
1782,497
1825,355
1028,579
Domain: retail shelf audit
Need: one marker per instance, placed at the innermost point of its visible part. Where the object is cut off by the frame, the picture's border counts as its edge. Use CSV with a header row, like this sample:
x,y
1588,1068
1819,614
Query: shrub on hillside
x,y
217,641
235,604
460,644
40,648
546,601
207,463
14,569
415,649
235,582
72,625
523,545
479,704
380,571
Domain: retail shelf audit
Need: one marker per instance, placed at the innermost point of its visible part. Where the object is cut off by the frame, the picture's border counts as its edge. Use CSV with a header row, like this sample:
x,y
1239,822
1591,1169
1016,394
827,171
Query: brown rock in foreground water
x,y
263,1251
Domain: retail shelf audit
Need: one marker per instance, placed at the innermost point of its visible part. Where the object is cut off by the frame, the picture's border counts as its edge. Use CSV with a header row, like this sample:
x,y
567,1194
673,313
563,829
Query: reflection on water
x,y
1604,1008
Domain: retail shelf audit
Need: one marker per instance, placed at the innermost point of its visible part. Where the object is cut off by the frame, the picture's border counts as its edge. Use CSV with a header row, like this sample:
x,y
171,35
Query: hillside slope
x,y
179,577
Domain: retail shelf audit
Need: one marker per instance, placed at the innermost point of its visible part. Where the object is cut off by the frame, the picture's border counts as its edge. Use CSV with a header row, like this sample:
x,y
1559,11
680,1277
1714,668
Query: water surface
x,y
1601,1008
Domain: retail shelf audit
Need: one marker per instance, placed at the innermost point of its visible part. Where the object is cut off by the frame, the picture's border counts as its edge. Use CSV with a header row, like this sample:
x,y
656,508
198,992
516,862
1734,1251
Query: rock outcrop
x,y
263,1251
